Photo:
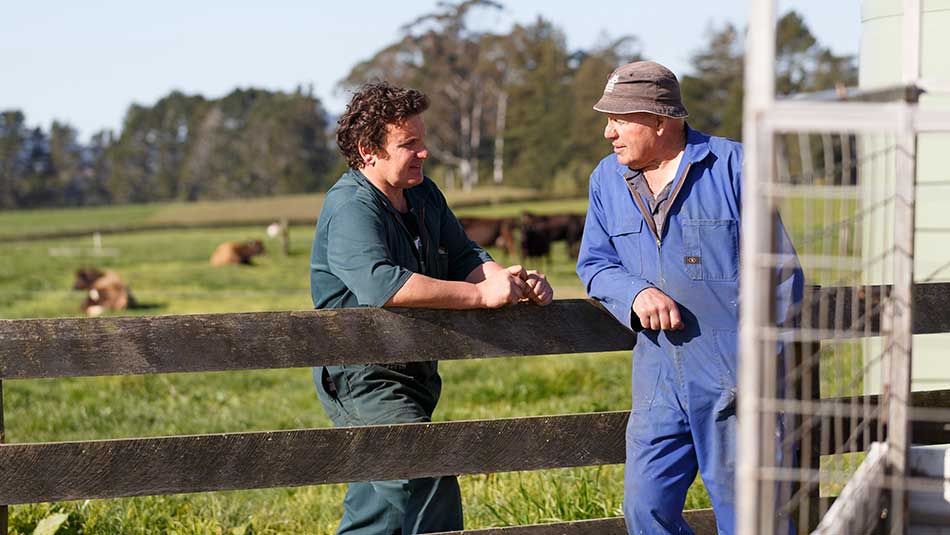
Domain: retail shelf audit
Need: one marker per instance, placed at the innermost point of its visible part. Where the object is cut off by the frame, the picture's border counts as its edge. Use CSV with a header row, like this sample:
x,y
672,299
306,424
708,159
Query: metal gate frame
x,y
764,116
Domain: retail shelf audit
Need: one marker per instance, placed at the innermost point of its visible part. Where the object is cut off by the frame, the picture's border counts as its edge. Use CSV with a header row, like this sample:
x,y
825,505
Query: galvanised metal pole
x,y
900,339
754,276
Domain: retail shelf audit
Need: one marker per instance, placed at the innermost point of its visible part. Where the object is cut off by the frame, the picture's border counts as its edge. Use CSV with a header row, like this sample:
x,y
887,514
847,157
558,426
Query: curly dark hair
x,y
373,107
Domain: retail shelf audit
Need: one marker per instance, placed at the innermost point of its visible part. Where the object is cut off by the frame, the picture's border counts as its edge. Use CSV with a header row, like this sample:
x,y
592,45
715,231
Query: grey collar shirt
x,y
658,204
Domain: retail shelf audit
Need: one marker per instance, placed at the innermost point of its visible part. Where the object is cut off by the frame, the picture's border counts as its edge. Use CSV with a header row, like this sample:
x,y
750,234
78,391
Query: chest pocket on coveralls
x,y
625,237
711,249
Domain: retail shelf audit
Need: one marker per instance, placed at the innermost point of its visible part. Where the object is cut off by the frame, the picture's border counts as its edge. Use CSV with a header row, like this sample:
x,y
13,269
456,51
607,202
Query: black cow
x,y
538,231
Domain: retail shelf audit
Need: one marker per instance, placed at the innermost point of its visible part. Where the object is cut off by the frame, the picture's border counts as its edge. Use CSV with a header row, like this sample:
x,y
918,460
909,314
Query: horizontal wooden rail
x,y
38,472
56,471
217,342
922,432
703,522
846,309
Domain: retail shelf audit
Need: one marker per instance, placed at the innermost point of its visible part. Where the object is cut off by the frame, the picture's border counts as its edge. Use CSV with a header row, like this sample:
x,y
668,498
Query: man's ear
x,y
366,157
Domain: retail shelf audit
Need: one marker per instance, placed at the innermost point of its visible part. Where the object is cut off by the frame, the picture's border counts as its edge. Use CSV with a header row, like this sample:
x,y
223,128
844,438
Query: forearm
x,y
421,291
617,290
483,271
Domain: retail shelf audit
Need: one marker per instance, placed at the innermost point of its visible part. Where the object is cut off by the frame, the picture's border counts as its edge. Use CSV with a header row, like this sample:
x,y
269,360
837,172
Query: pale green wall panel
x,y
880,64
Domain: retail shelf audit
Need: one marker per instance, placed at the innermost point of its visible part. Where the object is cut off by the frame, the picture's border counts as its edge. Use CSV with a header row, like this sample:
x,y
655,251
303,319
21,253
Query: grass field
x,y
293,207
169,274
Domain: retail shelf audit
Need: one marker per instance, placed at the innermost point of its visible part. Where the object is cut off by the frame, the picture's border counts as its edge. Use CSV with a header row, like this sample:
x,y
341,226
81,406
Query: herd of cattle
x,y
529,236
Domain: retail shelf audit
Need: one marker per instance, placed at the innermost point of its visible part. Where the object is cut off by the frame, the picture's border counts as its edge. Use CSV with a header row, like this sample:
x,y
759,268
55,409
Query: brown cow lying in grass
x,y
105,291
232,252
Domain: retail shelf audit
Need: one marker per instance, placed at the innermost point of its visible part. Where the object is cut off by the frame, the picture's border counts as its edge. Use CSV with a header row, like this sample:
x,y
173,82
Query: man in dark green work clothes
x,y
386,237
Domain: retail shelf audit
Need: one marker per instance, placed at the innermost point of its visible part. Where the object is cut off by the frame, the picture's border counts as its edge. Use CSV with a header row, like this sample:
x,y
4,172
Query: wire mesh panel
x,y
827,383
828,420
837,194
828,378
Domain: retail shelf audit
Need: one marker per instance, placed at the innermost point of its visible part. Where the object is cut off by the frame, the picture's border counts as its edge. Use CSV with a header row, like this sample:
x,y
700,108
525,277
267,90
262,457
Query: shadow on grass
x,y
147,305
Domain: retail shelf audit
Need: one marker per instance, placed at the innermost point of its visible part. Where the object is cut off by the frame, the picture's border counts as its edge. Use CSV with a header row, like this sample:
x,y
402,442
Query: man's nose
x,y
423,154
609,131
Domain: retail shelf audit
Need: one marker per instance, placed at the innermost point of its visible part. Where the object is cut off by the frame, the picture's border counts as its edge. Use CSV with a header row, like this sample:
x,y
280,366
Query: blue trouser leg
x,y
372,395
711,394
661,461
710,379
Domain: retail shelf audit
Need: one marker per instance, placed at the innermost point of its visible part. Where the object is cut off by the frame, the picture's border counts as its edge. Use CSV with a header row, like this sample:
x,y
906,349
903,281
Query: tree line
x,y
249,143
511,108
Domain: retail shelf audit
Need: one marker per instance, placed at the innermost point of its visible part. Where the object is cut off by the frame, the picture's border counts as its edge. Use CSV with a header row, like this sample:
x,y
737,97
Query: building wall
x,y
880,64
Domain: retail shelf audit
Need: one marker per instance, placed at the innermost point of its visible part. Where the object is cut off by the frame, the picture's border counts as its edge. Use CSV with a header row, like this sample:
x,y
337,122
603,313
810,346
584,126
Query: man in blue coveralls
x,y
386,237
661,252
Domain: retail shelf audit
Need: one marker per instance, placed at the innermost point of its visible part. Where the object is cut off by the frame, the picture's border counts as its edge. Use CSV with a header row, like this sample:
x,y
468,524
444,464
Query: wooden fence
x,y
50,348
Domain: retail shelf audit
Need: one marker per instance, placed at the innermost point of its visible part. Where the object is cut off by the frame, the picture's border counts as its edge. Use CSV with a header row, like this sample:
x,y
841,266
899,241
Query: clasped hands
x,y
514,284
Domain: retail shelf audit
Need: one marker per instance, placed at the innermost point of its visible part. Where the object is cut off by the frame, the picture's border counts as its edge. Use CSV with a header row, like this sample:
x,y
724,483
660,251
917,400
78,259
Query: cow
x,y
491,232
104,291
538,231
233,252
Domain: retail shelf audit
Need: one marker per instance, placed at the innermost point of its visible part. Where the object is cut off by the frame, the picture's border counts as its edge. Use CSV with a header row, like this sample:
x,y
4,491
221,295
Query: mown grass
x,y
24,222
169,274
303,207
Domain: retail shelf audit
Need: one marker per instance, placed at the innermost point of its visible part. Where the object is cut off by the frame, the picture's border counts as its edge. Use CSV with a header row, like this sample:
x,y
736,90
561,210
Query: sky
x,y
85,62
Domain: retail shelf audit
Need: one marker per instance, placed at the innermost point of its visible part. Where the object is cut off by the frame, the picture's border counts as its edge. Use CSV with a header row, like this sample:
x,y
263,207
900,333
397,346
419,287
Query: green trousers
x,y
392,394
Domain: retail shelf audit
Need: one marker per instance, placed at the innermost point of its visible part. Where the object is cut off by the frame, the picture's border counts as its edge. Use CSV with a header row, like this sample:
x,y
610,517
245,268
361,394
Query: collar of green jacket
x,y
416,195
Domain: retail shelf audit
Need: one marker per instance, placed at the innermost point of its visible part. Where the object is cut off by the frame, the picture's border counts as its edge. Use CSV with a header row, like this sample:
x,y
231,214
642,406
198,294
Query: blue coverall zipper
x,y
648,217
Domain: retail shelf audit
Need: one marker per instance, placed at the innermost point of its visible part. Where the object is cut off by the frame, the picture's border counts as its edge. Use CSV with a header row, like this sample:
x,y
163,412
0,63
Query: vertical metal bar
x,y
813,454
807,175
900,340
911,41
781,154
758,139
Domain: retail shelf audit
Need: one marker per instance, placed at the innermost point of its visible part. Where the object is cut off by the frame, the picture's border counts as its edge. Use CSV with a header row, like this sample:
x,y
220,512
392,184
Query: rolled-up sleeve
x,y
600,267
358,255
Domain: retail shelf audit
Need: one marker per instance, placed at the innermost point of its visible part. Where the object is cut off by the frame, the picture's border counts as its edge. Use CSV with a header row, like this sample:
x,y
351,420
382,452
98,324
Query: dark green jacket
x,y
362,253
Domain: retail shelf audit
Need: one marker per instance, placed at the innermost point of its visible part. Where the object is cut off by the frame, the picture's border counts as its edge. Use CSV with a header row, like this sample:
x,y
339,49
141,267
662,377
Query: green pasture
x,y
17,223
556,206
169,273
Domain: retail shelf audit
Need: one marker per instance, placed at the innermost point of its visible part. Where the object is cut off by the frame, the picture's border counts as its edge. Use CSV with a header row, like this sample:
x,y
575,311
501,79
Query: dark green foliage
x,y
509,107
539,128
713,91
514,106
250,143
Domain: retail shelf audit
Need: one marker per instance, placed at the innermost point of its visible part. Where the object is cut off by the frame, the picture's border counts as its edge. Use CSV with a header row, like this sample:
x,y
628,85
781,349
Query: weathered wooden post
x,y
285,236
3,508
